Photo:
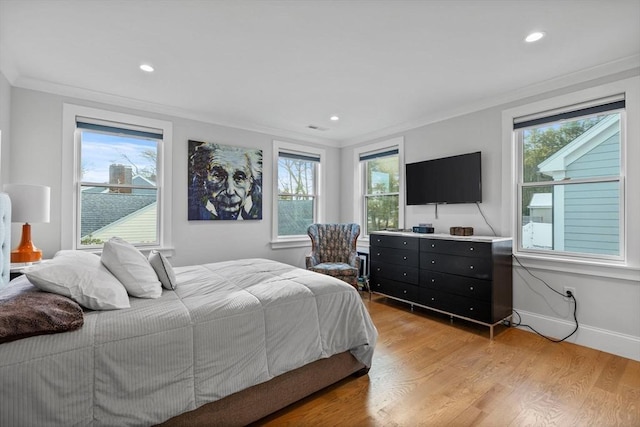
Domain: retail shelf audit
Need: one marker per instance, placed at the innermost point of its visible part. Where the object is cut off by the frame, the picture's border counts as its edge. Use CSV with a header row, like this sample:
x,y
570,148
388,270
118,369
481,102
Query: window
x,y
380,184
298,201
118,183
118,189
570,186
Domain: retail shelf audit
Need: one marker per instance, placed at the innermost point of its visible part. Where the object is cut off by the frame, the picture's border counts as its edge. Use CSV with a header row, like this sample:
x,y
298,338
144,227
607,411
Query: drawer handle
x,y
378,269
404,258
471,309
404,243
433,261
404,274
378,240
471,267
433,245
404,292
433,280
433,299
378,254
470,249
470,288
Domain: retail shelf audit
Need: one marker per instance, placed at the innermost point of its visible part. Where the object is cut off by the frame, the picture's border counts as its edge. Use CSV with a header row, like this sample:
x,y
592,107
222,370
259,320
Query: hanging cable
x,y
485,219
569,295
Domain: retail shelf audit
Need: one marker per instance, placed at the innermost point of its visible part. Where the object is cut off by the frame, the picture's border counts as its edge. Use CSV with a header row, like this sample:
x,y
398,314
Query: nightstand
x,y
18,268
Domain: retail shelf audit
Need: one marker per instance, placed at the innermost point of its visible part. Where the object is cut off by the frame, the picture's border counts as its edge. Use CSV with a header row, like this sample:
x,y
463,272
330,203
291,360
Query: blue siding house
x,y
586,217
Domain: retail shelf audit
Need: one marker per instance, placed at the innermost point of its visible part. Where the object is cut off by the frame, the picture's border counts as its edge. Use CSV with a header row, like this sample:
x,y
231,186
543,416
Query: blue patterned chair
x,y
333,251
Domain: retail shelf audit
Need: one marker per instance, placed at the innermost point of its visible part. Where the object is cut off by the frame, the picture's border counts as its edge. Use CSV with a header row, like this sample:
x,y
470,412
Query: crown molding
x,y
125,102
602,70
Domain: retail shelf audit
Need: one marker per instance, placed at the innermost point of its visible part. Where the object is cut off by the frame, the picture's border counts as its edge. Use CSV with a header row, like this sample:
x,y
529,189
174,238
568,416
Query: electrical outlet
x,y
570,289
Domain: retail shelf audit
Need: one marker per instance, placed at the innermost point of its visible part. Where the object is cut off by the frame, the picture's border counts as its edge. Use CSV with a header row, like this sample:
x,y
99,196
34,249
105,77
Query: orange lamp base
x,y
26,251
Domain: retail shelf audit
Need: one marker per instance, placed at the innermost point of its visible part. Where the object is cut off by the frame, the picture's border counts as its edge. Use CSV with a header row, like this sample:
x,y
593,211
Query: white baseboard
x,y
600,339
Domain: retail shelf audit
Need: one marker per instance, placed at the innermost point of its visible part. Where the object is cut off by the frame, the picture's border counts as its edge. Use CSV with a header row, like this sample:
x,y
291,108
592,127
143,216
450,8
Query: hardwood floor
x,y
428,372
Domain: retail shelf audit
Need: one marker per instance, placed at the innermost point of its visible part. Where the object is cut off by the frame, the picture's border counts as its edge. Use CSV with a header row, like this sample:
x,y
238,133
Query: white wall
x,y
459,135
36,158
5,127
608,298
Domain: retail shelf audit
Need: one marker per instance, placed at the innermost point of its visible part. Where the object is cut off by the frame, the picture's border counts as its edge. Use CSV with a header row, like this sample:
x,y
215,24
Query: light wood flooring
x,y
429,372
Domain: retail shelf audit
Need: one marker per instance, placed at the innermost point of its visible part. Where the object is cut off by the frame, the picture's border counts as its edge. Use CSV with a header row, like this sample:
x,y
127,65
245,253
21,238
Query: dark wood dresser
x,y
467,277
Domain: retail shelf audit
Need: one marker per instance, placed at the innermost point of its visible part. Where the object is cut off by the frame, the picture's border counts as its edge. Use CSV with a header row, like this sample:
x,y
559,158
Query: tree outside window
x,y
382,180
297,193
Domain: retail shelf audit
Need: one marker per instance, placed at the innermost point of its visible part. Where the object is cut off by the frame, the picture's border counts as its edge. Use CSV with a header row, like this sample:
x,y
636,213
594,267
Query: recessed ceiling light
x,y
534,37
334,118
146,67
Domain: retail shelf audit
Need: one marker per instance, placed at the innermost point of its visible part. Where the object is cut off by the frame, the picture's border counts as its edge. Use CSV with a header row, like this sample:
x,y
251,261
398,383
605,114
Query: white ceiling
x,y
280,66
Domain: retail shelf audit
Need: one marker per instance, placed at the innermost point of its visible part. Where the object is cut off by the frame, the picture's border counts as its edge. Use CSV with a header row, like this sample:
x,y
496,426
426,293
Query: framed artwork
x,y
225,182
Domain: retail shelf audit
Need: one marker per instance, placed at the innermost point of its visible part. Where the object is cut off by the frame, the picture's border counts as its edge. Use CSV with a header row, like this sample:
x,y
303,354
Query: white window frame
x,y
625,267
279,242
620,179
360,182
71,173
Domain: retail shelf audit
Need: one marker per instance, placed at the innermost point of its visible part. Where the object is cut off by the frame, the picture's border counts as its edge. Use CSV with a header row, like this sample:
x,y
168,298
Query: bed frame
x,y
254,403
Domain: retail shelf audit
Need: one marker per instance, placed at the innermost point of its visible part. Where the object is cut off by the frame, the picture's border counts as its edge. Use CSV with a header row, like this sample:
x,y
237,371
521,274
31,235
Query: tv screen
x,y
455,179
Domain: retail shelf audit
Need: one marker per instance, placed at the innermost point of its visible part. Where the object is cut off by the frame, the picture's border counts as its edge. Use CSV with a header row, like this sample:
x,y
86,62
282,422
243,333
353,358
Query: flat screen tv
x,y
455,179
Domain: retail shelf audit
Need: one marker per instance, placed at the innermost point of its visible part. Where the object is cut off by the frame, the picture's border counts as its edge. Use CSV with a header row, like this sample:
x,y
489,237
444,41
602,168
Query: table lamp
x,y
29,203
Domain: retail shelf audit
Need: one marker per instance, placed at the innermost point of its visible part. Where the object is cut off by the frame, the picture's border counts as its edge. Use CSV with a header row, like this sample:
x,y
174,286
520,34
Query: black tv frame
x,y
445,180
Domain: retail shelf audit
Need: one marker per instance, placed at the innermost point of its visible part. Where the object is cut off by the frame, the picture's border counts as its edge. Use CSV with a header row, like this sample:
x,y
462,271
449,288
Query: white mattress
x,y
228,326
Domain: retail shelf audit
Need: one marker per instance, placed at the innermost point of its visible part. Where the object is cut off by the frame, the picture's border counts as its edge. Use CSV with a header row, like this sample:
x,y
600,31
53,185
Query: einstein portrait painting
x,y
225,182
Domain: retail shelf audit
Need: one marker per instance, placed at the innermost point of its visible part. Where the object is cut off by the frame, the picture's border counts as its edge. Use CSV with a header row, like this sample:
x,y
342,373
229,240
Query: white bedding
x,y
227,326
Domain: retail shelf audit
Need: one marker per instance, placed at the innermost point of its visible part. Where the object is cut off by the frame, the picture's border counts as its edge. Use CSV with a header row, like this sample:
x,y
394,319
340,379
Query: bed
x,y
234,342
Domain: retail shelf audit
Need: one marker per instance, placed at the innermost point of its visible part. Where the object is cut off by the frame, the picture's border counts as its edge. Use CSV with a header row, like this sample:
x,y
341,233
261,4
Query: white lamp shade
x,y
29,203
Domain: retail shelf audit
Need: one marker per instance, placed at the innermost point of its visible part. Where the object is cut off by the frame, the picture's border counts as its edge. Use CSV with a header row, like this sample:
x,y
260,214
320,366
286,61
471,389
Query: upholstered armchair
x,y
333,251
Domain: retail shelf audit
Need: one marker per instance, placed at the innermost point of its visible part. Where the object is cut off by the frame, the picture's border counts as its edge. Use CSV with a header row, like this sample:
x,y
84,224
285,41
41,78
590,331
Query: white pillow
x,y
131,267
163,269
81,277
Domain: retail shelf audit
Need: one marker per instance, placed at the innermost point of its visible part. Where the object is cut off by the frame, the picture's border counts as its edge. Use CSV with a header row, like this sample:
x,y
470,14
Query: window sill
x,y
166,251
611,270
293,242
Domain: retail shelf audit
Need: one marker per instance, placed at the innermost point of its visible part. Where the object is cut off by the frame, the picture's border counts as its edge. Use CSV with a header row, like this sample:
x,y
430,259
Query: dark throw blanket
x,y
32,313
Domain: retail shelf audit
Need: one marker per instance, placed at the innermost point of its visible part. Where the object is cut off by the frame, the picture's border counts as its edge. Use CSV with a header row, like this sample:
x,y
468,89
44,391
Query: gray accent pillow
x,y
163,269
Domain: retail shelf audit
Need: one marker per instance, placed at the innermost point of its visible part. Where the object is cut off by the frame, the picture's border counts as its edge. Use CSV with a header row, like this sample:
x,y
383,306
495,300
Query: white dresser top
x,y
444,236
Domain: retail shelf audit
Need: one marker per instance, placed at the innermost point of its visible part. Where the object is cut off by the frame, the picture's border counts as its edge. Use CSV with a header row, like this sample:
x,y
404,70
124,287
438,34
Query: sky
x,y
100,150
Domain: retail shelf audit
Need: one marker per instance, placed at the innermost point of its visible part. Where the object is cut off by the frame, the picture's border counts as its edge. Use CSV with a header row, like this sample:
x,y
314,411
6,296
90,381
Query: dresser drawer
x,y
433,298
455,247
468,307
398,242
479,268
455,304
403,257
395,272
396,289
460,285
